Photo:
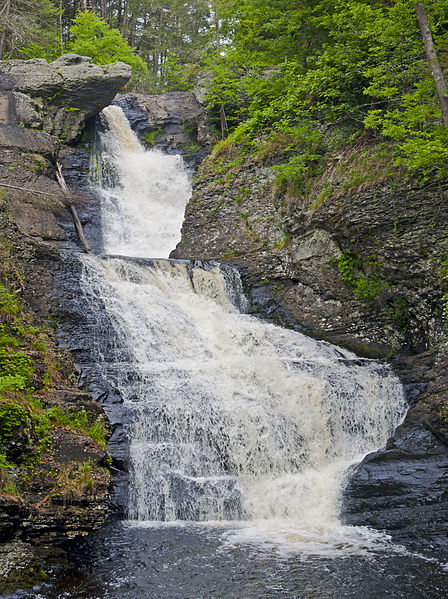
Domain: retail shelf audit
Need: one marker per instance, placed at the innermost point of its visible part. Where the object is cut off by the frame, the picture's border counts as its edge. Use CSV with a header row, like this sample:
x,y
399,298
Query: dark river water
x,y
198,562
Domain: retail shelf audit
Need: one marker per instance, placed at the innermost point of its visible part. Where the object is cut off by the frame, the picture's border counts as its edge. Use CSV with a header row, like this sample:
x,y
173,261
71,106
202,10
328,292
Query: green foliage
x,y
91,36
367,287
76,420
4,464
286,239
399,311
16,370
9,303
150,137
359,60
325,194
31,29
12,417
98,433
21,413
290,177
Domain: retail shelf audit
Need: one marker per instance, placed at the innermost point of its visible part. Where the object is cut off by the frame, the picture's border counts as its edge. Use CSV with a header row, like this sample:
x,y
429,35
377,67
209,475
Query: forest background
x,y
303,76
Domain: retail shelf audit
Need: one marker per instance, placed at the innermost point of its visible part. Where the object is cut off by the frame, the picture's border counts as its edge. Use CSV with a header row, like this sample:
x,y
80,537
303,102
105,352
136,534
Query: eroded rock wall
x,y
362,267
55,484
175,122
60,96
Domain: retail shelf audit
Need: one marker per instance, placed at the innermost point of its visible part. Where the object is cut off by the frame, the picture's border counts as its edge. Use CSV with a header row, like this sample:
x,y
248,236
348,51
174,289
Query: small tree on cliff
x,y
91,36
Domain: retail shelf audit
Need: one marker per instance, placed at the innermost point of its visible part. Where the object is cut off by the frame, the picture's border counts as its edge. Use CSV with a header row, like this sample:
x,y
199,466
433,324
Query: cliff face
x,y
54,469
174,123
363,268
57,97
357,263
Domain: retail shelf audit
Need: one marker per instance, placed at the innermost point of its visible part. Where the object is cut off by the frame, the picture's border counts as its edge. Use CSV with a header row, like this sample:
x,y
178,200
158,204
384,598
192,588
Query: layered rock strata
x,y
363,266
60,96
55,484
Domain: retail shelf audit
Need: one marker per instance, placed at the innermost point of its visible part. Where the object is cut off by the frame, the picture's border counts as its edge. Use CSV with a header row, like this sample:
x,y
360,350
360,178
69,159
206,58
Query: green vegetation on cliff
x,y
32,369
29,367
280,63
358,64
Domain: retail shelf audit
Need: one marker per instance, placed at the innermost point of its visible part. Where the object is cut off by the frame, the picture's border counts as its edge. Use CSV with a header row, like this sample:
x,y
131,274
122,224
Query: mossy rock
x,y
17,433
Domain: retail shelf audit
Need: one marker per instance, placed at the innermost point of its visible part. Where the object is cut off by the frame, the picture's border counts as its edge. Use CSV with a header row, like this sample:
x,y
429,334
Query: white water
x,y
143,193
233,418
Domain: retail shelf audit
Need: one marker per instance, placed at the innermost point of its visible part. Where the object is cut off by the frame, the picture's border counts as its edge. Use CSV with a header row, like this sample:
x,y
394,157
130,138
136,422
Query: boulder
x,y
19,138
57,97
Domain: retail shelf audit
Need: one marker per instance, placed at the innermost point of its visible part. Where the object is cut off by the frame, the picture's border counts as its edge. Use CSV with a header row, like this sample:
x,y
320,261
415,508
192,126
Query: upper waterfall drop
x,y
143,192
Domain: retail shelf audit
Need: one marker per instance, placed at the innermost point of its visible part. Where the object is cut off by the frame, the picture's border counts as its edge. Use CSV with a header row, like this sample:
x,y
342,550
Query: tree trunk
x,y
78,225
103,10
218,40
4,19
119,14
431,55
222,112
125,18
158,47
84,5
61,27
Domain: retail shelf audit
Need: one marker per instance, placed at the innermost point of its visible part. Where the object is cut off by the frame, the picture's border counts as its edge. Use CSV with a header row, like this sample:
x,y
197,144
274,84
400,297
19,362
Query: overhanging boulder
x,y
60,96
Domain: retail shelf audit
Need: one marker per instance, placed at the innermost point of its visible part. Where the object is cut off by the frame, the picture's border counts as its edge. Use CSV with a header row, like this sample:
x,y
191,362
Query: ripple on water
x,y
200,562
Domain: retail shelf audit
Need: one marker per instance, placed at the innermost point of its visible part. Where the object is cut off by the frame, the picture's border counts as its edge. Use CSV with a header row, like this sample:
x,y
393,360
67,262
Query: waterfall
x,y
143,194
231,418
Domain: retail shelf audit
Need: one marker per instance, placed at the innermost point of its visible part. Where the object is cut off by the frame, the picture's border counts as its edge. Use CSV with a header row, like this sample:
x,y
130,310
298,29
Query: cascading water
x,y
143,194
231,418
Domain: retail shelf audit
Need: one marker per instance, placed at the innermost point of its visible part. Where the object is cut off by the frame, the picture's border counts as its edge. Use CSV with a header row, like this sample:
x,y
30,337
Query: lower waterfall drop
x,y
231,418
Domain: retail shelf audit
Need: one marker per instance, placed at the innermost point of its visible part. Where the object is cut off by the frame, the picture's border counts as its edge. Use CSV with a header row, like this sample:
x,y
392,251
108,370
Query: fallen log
x,y
67,193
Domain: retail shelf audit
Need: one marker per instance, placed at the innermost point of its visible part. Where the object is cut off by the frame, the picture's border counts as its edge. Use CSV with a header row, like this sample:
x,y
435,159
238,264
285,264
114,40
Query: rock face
x,y
388,239
62,494
403,488
57,97
66,493
175,123
289,254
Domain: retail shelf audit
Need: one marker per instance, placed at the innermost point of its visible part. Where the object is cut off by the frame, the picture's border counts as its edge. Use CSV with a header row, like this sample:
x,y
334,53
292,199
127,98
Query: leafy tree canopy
x,y
356,61
91,36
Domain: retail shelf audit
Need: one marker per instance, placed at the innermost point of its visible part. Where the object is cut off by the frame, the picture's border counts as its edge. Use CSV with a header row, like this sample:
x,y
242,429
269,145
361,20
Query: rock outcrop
x,y
403,487
60,96
289,253
362,266
54,470
174,122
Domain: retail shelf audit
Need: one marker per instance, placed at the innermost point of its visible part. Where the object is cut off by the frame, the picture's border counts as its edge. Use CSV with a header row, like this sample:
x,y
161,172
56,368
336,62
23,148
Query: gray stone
x,y
24,139
17,559
28,111
34,77
64,94
174,122
7,109
319,244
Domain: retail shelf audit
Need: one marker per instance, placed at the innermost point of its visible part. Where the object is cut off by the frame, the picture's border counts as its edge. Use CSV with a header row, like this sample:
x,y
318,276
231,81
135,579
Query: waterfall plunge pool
x,y
192,561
